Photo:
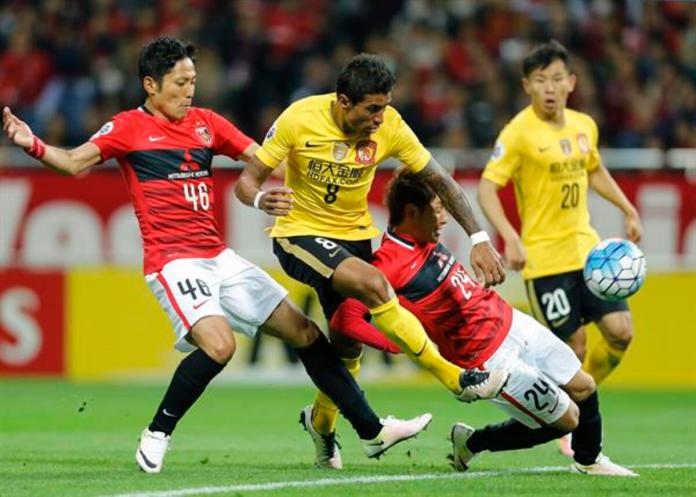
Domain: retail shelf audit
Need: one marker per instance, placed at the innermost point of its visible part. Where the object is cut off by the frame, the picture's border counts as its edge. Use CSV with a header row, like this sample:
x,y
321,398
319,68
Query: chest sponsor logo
x,y
566,146
331,173
340,150
204,135
583,143
365,152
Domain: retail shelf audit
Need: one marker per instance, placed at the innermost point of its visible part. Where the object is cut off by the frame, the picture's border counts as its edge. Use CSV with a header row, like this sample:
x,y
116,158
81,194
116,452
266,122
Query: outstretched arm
x,y
71,161
274,201
603,183
485,260
515,254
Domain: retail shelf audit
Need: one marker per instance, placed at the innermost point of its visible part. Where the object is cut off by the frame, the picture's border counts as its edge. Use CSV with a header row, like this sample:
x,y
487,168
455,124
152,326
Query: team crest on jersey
x,y
583,143
566,146
340,150
204,135
104,130
498,150
365,152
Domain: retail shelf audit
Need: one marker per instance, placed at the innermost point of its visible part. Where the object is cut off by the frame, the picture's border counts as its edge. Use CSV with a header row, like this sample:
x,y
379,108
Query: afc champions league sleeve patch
x,y
104,130
498,150
271,131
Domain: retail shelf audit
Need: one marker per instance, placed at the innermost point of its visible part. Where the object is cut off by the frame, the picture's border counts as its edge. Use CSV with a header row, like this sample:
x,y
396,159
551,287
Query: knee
x,y
374,289
304,334
582,387
221,348
620,336
570,419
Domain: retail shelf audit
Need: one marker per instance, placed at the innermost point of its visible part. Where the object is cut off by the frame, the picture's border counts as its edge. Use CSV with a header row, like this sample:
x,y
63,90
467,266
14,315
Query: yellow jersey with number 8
x,y
548,167
331,173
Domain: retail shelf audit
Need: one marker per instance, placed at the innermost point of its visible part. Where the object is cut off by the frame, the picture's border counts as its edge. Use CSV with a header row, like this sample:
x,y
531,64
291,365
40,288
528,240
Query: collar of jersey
x,y
402,239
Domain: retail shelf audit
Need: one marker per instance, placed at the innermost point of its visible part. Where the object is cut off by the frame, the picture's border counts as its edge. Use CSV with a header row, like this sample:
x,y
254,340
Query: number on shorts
x,y
331,193
327,244
540,388
198,198
557,305
186,288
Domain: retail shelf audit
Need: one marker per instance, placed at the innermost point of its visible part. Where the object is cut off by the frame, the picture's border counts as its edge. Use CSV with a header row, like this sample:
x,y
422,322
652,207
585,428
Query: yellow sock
x,y
602,360
402,327
325,412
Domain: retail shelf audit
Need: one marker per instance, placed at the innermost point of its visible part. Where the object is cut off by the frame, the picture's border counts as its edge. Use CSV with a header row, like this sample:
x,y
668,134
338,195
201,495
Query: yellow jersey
x,y
548,167
331,173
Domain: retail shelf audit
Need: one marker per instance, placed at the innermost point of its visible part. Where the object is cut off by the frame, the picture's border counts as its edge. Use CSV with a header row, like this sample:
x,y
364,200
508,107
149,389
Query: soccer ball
x,y
614,269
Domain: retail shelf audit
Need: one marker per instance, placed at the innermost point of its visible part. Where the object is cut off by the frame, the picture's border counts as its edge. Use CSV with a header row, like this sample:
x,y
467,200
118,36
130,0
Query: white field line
x,y
357,480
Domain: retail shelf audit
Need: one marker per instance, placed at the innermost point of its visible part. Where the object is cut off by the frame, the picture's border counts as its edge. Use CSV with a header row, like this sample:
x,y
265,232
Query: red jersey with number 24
x,y
167,167
467,321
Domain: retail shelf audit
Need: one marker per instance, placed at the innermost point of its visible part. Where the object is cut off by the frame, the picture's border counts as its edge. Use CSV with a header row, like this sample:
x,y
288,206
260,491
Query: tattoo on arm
x,y
451,194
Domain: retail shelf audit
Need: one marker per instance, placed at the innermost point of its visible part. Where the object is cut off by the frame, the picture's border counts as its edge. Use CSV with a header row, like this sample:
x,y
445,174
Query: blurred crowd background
x,y
67,66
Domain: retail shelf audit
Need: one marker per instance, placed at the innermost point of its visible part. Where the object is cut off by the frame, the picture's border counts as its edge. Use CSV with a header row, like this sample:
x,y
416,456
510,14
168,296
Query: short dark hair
x,y
407,187
543,56
362,75
159,56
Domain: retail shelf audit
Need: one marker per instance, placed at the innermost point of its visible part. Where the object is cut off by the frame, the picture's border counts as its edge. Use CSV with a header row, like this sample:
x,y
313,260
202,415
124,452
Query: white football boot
x,y
461,455
601,467
151,450
328,455
394,431
478,385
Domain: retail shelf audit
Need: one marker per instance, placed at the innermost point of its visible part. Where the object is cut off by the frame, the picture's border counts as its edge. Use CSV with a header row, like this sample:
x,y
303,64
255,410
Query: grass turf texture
x,y
63,439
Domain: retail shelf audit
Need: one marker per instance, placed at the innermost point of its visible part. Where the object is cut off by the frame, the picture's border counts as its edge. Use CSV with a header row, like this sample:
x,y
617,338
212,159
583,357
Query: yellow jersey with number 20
x,y
330,172
548,167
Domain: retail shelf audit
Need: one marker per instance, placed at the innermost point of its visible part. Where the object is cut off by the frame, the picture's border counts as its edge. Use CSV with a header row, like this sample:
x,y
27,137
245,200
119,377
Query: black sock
x,y
510,435
190,379
587,437
331,377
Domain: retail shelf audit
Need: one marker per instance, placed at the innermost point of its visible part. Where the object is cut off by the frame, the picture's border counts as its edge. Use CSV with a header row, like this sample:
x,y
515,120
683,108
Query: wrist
x,y
37,149
479,237
257,199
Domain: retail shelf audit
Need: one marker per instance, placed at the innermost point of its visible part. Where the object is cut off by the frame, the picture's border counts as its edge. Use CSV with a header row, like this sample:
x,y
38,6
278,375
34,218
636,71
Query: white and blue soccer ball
x,y
614,269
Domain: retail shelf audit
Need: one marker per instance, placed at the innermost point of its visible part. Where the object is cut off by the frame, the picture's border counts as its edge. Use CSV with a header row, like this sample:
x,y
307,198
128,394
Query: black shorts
x,y
563,303
312,260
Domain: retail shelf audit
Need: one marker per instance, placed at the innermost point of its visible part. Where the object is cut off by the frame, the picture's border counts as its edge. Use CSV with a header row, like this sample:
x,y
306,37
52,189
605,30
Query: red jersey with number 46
x,y
467,321
167,166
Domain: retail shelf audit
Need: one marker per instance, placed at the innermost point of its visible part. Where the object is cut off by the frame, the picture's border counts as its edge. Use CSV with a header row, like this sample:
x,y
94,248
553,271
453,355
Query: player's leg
x,y
251,299
188,291
616,326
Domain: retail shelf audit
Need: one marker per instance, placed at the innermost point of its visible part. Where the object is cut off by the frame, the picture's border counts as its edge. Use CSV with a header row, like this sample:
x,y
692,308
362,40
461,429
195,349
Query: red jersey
x,y
167,167
467,321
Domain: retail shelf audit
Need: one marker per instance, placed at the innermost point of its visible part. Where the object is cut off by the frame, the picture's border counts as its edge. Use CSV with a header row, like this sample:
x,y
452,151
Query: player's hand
x,y
633,227
487,264
16,130
515,254
277,201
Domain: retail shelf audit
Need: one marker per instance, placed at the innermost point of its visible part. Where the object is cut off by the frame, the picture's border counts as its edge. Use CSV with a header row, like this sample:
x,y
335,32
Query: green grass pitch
x,y
63,439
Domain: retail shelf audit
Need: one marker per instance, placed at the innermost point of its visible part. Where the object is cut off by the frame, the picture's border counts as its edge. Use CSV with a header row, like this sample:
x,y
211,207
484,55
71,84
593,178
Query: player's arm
x,y
603,183
71,161
274,201
352,319
485,260
487,195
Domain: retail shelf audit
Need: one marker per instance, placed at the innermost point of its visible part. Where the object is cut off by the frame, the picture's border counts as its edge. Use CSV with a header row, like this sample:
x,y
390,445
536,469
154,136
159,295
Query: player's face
x,y
365,117
429,222
173,97
549,88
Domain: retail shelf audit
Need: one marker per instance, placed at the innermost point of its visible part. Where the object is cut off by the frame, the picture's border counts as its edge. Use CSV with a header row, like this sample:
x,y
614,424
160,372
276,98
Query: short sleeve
x,y
594,159
113,138
279,141
406,147
505,159
228,139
